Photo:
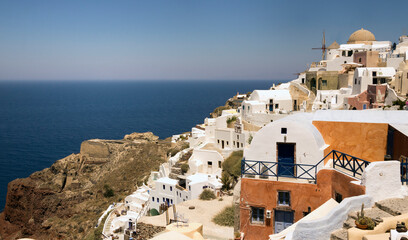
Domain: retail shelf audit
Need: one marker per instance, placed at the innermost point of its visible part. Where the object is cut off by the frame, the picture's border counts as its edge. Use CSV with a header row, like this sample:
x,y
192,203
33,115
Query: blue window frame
x,y
258,215
284,198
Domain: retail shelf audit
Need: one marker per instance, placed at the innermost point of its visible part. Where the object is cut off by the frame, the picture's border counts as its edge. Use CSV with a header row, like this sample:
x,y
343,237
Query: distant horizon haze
x,y
180,39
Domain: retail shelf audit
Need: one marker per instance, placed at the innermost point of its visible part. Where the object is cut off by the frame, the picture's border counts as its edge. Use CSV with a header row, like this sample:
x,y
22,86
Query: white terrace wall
x,y
321,229
383,180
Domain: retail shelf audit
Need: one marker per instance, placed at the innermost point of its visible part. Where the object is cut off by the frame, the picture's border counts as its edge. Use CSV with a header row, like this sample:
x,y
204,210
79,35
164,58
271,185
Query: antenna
x,y
323,47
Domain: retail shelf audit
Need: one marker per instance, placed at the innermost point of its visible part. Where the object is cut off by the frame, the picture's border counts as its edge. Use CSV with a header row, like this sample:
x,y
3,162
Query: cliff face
x,y
66,200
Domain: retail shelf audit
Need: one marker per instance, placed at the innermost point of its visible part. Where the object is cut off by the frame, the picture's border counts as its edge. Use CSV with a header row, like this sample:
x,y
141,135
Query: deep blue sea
x,y
43,121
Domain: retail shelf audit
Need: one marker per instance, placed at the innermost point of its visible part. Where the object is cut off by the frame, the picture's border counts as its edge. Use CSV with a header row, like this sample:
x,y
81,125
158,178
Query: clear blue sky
x,y
180,39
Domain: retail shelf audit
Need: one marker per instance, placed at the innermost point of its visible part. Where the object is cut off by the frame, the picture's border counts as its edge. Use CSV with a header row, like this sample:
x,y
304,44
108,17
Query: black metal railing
x,y
404,170
277,169
354,166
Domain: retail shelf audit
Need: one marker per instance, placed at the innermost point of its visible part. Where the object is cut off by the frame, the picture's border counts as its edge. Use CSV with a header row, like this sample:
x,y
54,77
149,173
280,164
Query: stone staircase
x,y
385,208
176,168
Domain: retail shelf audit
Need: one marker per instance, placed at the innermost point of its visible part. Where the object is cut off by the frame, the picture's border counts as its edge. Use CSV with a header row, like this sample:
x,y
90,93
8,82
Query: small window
x,y
164,187
157,199
209,163
242,145
189,188
164,200
243,107
359,60
374,73
248,108
227,143
257,215
233,143
277,105
171,188
284,130
284,198
355,80
171,201
218,141
153,199
219,164
324,82
345,61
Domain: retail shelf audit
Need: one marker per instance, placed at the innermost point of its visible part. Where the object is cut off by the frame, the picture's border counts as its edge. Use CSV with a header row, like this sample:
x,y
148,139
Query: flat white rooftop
x,y
167,181
363,116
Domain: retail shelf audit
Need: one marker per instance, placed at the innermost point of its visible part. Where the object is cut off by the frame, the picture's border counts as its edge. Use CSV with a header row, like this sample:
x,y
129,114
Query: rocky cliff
x,y
65,200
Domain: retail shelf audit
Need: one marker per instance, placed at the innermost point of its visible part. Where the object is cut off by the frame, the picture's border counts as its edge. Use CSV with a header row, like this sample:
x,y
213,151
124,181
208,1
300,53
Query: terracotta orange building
x,y
296,164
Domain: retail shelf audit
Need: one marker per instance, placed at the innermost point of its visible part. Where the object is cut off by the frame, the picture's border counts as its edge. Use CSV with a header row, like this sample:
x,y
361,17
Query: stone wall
x,y
95,148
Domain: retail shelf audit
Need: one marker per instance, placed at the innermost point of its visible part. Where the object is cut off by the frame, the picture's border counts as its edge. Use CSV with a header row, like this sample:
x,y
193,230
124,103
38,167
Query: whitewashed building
x,y
367,76
331,99
293,139
205,161
198,182
265,106
168,192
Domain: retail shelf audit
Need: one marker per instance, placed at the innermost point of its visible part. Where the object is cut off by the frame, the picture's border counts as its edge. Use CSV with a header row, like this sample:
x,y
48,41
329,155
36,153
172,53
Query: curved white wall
x,y
309,143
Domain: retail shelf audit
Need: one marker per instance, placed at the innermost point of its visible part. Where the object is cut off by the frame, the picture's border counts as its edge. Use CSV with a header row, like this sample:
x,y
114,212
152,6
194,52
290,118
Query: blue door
x,y
283,219
286,159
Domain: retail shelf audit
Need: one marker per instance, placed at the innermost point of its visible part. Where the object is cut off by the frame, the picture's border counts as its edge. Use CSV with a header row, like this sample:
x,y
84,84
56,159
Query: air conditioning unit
x,y
268,213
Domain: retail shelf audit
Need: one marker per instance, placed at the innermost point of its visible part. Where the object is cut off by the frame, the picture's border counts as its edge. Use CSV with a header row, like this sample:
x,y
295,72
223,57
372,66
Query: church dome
x,y
361,36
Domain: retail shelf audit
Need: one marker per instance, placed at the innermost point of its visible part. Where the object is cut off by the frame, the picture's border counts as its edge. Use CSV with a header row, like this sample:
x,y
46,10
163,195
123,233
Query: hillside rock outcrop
x,y
65,200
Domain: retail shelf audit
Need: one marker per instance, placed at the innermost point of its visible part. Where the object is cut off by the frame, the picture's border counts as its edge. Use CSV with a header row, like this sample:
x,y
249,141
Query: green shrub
x,y
232,165
184,168
108,191
250,139
231,119
225,217
399,103
207,194
172,152
226,181
154,212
